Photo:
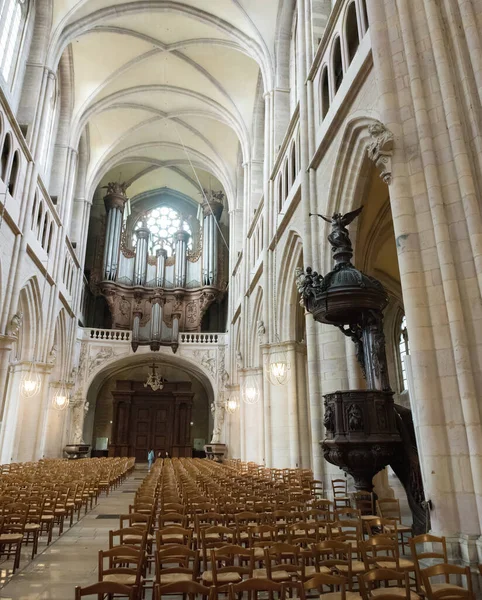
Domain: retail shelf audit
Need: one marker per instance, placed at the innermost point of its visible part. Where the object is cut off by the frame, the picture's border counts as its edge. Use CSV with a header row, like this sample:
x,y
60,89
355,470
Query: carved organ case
x,y
161,267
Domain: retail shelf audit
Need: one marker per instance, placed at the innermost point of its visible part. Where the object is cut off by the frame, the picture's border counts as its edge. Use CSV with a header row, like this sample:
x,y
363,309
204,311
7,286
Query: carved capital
x,y
380,149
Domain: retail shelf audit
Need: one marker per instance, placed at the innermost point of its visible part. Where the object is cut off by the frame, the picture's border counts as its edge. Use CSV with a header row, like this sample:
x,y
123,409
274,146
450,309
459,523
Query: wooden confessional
x,y
145,420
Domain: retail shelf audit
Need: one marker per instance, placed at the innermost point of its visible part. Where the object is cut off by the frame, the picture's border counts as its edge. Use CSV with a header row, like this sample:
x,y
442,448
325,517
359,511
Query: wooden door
x,y
160,432
156,421
141,431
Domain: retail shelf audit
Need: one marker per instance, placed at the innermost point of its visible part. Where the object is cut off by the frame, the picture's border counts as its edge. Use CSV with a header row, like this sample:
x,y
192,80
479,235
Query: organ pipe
x,y
114,201
140,265
182,238
161,267
212,211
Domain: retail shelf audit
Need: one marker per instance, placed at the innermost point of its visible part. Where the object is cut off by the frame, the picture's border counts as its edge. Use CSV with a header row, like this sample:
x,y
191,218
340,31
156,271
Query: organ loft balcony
x,y
157,266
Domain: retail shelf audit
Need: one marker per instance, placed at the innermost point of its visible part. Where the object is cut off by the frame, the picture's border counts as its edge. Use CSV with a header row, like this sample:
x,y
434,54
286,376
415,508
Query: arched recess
x,y
255,358
100,383
29,309
291,259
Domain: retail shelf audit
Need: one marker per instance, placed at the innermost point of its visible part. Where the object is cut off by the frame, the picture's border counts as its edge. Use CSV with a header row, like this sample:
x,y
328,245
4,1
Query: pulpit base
x,y
216,452
75,451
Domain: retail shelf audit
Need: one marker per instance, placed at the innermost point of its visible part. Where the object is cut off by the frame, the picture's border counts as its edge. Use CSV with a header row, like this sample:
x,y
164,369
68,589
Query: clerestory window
x,y
163,223
13,14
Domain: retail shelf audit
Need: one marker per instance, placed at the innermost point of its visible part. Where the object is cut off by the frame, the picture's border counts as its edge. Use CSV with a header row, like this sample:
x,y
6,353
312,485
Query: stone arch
x,y
255,48
255,357
28,344
292,255
349,180
193,366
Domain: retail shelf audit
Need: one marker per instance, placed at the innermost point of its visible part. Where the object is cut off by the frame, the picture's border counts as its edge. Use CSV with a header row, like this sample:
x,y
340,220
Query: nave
x,y
213,530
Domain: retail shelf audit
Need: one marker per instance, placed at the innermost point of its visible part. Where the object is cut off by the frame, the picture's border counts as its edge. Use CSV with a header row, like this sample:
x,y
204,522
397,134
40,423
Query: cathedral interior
x,y
240,271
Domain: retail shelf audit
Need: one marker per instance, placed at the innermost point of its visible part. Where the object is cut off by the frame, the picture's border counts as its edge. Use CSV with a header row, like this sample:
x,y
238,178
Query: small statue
x,y
239,360
115,188
339,238
355,418
329,419
15,325
261,328
52,355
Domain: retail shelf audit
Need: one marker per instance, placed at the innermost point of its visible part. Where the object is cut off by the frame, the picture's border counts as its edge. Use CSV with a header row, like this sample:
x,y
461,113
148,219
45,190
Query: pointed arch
x,y
254,357
288,296
28,345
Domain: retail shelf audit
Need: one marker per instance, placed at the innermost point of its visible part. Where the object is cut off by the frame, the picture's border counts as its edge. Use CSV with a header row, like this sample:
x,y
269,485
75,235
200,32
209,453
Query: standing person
x,y
150,458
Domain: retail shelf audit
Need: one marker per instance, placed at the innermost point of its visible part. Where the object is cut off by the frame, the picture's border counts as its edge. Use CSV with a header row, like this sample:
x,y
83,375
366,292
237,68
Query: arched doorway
x,y
127,418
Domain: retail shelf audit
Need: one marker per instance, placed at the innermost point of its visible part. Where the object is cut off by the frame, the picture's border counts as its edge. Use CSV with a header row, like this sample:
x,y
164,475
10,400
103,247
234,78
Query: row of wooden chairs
x,y
163,531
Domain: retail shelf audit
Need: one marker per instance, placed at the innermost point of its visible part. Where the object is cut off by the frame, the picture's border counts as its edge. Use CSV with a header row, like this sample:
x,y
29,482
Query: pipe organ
x,y
159,291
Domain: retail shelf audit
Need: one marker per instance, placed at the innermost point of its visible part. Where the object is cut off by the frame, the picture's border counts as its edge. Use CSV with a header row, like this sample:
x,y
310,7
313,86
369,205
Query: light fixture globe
x,y
30,383
250,390
60,399
278,368
232,404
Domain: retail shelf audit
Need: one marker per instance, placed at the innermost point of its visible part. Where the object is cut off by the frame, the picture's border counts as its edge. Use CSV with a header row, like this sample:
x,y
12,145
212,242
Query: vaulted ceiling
x,y
166,90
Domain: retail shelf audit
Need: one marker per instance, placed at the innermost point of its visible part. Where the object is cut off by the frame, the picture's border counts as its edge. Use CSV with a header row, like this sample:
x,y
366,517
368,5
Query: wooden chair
x,y
255,586
336,555
371,585
364,502
12,531
229,564
183,565
436,591
191,589
125,566
437,553
389,508
174,535
340,493
106,588
283,563
336,587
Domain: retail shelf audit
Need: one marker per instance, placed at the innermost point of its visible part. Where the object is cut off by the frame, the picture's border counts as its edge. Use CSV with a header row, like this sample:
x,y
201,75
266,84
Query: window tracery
x,y
163,223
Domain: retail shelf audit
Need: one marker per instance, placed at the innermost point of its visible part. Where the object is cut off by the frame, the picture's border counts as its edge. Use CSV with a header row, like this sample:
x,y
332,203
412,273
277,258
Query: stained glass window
x,y
163,223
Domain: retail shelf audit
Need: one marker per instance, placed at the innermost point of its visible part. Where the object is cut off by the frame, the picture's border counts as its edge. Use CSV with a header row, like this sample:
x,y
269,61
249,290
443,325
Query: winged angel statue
x,y
339,238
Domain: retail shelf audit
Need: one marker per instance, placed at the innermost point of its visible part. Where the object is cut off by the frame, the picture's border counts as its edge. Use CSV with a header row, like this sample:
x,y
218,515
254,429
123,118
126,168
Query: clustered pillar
x,y
114,204
212,211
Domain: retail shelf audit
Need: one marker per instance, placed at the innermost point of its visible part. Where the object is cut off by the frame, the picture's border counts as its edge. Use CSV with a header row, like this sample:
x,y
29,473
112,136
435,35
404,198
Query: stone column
x,y
142,248
114,204
428,85
212,210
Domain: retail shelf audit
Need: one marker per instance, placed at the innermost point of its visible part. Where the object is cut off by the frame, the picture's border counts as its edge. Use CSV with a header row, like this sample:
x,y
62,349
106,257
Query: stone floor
x,y
72,558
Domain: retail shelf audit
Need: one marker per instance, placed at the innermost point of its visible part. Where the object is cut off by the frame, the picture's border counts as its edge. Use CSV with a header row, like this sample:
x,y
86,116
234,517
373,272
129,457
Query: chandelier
x,y
60,400
279,368
250,390
153,380
30,383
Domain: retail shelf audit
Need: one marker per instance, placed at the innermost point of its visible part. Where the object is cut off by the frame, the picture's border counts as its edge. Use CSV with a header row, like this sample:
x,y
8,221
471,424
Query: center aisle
x,y
72,559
